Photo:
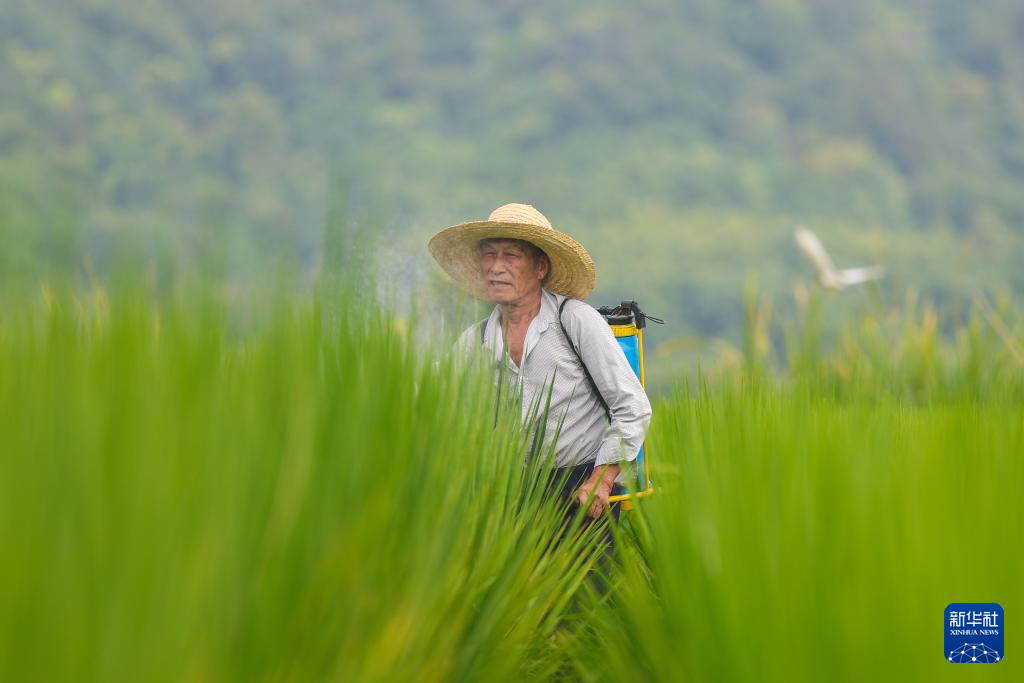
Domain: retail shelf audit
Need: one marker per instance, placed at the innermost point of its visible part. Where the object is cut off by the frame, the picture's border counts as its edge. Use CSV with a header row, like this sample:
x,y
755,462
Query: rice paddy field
x,y
322,495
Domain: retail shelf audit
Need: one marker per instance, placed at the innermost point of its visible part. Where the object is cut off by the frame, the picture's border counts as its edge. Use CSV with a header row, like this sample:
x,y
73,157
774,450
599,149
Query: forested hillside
x,y
679,141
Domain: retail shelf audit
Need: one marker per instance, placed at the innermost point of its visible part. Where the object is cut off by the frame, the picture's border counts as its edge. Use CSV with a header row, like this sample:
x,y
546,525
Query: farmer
x,y
538,278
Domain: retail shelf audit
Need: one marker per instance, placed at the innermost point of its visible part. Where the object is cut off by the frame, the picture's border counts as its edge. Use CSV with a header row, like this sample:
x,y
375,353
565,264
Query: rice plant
x,y
309,501
800,533
314,494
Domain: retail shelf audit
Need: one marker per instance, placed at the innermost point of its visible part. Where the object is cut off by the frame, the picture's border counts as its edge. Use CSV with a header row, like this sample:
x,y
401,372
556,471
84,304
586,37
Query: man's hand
x,y
600,484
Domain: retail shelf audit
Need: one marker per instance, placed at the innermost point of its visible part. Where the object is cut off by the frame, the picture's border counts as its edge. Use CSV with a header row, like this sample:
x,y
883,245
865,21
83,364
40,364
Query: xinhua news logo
x,y
974,632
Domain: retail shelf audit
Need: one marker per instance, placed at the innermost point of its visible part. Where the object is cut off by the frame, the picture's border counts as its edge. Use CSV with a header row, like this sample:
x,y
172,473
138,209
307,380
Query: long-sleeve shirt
x,y
586,435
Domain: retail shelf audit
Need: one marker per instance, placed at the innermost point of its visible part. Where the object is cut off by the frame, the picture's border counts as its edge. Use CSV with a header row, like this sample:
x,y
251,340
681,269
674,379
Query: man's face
x,y
511,272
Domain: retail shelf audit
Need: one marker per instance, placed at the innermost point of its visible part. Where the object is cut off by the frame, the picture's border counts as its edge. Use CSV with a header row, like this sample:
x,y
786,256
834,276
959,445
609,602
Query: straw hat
x,y
572,271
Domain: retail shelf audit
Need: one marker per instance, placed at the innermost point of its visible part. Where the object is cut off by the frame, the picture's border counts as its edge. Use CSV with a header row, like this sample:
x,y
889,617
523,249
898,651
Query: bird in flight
x,y
827,275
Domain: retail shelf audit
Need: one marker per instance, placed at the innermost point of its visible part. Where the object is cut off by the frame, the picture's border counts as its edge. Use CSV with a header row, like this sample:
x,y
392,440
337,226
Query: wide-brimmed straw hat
x,y
572,271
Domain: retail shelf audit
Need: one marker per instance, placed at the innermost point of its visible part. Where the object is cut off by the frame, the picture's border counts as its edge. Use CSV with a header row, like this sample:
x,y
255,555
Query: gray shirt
x,y
586,435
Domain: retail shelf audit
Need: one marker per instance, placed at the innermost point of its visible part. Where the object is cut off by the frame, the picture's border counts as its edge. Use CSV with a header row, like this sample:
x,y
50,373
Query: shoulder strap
x,y
586,371
483,330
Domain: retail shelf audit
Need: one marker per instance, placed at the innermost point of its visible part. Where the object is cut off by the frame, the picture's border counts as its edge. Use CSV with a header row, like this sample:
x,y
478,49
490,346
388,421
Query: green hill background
x,y
680,142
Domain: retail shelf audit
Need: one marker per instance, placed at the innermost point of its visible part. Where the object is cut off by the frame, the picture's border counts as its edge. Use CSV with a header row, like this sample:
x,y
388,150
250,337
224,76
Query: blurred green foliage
x,y
679,141
318,497
799,535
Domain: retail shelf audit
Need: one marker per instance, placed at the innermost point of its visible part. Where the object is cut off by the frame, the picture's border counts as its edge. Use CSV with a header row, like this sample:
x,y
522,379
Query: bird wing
x,y
813,249
857,276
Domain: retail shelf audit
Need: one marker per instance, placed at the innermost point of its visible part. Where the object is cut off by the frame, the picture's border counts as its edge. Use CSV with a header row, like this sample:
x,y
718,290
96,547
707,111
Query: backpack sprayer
x,y
628,321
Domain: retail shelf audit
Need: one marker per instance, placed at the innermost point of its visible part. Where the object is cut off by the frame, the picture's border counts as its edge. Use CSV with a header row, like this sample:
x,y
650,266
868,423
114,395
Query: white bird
x,y
827,275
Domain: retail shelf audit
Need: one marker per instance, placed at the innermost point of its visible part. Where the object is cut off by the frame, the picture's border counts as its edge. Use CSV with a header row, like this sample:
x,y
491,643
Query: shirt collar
x,y
548,313
545,318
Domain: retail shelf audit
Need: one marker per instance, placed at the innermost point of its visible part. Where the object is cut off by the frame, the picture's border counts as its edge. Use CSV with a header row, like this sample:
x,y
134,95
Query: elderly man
x,y
538,277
